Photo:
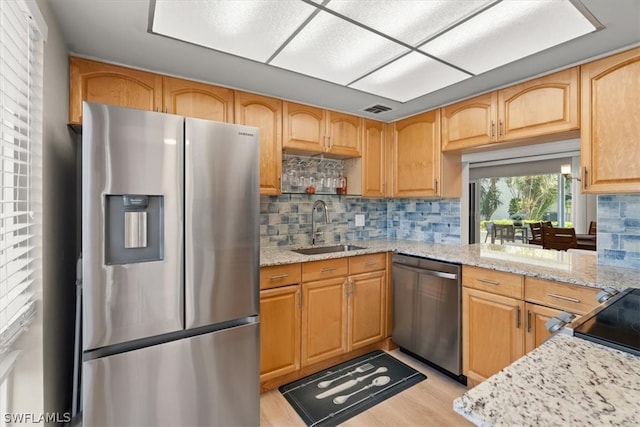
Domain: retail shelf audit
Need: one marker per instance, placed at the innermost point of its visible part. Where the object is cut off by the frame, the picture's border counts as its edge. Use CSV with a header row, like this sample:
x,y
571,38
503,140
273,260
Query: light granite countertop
x,y
568,267
567,381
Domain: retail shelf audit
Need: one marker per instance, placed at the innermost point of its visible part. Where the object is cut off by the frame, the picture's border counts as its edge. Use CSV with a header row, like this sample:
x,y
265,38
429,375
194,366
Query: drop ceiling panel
x,y
253,29
409,21
335,50
509,31
409,77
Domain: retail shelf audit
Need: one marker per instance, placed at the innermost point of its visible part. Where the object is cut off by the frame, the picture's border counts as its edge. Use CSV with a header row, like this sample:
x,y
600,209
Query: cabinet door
x,y
266,114
373,160
198,100
469,123
366,309
417,155
324,319
109,84
304,128
610,152
279,331
539,107
344,134
536,317
492,331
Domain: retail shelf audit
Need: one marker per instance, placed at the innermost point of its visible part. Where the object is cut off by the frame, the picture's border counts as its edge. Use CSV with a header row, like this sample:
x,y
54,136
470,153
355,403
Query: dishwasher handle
x,y
443,275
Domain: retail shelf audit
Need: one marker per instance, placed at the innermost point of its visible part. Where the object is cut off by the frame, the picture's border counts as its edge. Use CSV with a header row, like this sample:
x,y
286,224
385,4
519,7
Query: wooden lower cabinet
x,y
367,301
504,316
279,331
491,333
324,319
536,317
317,314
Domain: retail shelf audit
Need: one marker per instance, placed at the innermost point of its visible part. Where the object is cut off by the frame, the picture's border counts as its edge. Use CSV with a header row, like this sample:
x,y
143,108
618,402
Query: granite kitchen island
x,y
567,381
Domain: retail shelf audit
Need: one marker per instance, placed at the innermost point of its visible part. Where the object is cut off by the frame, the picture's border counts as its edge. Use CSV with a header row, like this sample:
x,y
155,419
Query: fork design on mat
x,y
358,370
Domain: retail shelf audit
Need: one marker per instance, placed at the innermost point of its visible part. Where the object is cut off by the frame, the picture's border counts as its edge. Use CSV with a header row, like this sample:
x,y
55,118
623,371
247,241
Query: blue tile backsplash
x,y
619,230
286,219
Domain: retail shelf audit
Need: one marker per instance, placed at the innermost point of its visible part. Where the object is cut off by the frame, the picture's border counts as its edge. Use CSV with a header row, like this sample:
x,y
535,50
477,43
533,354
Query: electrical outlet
x,y
359,220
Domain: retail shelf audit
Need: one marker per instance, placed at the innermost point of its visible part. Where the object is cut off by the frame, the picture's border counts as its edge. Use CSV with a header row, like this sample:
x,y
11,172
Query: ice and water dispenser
x,y
134,228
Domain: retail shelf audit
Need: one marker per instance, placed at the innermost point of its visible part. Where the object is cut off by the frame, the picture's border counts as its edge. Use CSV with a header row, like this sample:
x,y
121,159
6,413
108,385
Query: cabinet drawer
x,y
326,269
572,298
280,275
366,263
496,282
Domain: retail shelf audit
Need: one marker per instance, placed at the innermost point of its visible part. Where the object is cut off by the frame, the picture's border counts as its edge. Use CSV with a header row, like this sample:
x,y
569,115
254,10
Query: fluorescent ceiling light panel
x,y
509,31
335,50
253,29
409,21
409,77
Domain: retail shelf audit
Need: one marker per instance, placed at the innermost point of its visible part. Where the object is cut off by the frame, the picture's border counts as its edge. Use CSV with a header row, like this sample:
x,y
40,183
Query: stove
x,y
615,323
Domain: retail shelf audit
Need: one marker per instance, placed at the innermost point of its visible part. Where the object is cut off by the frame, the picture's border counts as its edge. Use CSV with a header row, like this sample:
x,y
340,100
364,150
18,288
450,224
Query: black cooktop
x,y
617,325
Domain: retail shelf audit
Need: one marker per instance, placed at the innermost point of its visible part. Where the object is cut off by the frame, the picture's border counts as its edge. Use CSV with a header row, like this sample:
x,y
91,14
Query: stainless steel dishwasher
x,y
427,311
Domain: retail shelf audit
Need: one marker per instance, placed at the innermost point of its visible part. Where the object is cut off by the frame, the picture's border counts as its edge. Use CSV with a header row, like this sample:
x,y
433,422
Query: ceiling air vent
x,y
377,109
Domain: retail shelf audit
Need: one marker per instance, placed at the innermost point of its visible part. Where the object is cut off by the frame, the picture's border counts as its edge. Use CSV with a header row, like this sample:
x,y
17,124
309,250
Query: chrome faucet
x,y
326,219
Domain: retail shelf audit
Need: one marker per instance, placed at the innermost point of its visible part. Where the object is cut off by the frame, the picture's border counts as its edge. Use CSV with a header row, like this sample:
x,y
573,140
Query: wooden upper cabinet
x,y
538,107
373,159
266,114
610,153
199,100
110,84
544,106
310,129
417,155
304,128
343,133
469,123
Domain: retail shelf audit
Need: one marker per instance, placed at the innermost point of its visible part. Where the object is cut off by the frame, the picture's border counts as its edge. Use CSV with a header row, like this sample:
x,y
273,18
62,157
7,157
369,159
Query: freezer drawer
x,y
210,379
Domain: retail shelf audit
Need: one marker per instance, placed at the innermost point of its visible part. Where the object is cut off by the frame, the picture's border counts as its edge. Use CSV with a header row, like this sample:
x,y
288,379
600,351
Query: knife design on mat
x,y
359,369
349,384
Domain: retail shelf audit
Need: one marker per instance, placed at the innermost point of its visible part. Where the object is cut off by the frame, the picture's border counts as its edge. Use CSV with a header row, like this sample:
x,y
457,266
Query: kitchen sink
x,y
327,249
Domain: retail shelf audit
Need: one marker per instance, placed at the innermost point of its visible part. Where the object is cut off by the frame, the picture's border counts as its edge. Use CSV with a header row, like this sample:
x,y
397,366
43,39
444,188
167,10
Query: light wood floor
x,y
428,403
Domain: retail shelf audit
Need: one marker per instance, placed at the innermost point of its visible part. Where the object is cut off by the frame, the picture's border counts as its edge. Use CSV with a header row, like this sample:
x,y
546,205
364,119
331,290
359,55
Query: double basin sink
x,y
327,249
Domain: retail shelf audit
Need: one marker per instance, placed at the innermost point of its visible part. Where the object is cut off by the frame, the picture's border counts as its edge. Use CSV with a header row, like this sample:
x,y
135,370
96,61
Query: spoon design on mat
x,y
377,382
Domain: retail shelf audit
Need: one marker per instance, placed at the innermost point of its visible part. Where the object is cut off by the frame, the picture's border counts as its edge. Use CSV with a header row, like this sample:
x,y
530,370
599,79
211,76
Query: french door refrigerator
x,y
170,240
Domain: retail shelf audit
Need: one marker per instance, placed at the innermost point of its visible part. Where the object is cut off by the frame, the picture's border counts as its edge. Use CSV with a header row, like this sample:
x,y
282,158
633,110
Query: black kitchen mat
x,y
383,375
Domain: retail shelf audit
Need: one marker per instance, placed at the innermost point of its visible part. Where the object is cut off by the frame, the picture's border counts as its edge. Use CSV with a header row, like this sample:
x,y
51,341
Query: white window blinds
x,y
21,56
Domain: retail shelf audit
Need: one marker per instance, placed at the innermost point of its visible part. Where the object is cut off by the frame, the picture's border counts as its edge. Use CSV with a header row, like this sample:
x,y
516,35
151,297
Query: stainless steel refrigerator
x,y
170,240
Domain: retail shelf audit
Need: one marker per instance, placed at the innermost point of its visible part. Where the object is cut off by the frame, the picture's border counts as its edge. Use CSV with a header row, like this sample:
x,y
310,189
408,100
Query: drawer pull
x,y
279,276
517,317
562,297
488,282
370,263
327,269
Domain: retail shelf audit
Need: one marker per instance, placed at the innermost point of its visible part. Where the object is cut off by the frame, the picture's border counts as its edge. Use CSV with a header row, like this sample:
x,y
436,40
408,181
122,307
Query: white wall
x,y
60,222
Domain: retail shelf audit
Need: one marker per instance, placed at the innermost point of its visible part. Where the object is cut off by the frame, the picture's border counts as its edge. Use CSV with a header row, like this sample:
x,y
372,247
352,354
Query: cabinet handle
x,y
279,183
562,297
584,179
529,321
492,129
499,128
327,269
370,263
488,282
299,299
518,317
279,276
435,185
